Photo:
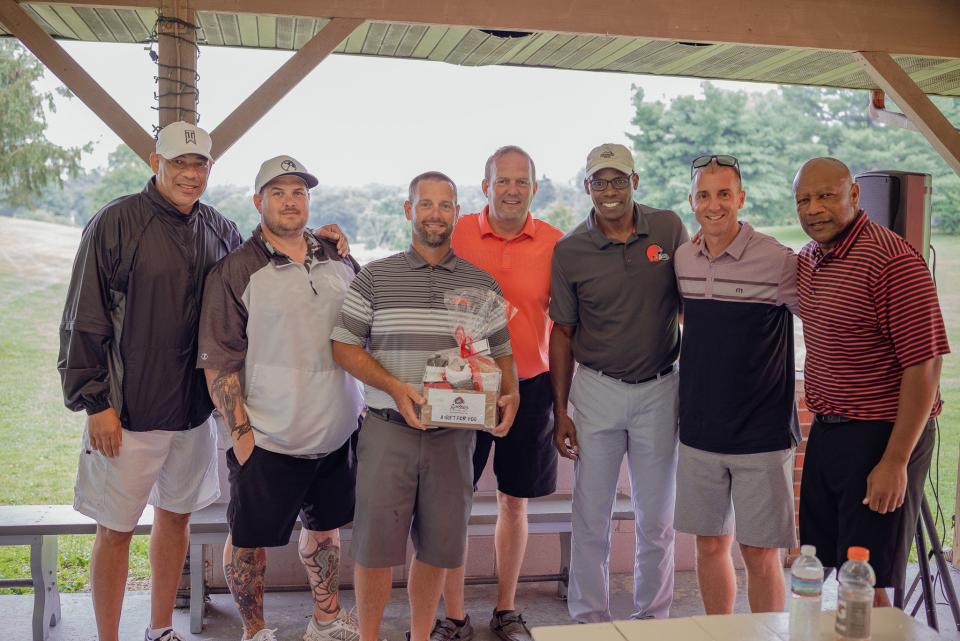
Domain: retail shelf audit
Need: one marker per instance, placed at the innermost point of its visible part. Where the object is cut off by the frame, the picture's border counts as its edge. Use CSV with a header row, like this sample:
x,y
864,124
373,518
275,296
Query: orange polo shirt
x,y
521,266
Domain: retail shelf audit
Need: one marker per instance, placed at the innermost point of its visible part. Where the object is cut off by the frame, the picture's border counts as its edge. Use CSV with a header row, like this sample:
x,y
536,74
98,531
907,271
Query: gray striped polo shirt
x,y
395,308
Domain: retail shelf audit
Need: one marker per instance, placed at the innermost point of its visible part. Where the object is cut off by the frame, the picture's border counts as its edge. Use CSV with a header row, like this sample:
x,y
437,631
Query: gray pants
x,y
412,482
614,419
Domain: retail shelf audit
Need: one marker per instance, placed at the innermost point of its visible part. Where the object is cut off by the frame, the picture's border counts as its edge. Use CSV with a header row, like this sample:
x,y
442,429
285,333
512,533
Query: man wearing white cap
x,y
128,351
615,307
268,309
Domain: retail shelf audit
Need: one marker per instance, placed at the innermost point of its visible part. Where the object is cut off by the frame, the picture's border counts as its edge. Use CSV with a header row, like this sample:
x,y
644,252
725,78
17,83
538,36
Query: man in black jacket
x,y
128,349
128,345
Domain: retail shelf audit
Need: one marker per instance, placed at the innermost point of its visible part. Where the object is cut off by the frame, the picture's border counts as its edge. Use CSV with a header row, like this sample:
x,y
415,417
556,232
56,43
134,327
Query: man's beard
x,y
432,239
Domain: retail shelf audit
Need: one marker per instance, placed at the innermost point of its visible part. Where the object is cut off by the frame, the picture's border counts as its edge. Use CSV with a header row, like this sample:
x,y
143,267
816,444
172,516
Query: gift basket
x,y
462,384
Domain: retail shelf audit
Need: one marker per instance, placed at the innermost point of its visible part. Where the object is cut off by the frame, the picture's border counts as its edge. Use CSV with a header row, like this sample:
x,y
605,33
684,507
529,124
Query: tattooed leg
x,y
244,569
320,555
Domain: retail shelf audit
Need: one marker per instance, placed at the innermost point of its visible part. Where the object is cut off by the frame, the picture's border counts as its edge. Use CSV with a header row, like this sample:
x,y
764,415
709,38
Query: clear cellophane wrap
x,y
475,314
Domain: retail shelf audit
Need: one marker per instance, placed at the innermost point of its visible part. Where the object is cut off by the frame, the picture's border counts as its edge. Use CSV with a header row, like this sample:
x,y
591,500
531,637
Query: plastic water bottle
x,y
806,587
855,597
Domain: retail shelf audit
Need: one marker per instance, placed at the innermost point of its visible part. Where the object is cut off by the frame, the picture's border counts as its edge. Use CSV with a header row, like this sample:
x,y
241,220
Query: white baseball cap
x,y
181,138
283,166
609,155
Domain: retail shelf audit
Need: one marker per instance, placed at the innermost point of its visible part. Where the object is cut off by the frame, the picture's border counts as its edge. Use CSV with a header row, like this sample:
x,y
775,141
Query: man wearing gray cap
x,y
127,355
268,309
615,307
128,351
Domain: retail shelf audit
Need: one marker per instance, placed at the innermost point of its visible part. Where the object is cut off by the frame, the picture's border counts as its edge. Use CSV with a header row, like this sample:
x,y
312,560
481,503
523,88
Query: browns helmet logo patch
x,y
655,254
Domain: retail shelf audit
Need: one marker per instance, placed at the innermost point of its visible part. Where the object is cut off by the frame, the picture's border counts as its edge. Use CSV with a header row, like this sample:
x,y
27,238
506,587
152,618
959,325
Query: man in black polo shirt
x,y
615,307
875,338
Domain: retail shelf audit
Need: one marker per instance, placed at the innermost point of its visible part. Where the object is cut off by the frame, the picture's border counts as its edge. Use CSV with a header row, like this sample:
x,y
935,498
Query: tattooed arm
x,y
227,396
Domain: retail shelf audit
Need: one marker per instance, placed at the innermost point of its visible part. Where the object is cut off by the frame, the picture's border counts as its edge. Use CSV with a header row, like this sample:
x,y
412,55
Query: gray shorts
x,y
412,482
757,487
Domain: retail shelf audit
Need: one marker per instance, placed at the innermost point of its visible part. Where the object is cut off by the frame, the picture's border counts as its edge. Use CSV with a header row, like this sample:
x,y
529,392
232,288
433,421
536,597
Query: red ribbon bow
x,y
465,342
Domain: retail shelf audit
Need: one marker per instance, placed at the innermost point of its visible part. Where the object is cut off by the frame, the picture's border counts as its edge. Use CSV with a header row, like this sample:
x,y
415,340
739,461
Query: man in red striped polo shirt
x,y
875,337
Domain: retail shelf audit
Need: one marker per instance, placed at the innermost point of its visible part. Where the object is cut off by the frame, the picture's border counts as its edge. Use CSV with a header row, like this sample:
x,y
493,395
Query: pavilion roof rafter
x,y
827,43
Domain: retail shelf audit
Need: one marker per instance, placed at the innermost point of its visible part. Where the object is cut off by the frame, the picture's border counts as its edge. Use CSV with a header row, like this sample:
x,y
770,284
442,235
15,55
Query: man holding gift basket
x,y
437,353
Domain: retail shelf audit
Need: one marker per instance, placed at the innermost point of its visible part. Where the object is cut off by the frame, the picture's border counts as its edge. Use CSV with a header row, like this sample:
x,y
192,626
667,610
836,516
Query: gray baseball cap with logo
x,y
180,138
283,166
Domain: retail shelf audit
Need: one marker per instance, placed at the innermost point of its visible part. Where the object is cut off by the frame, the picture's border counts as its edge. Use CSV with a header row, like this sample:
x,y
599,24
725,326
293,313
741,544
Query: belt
x,y
661,374
388,415
394,416
833,418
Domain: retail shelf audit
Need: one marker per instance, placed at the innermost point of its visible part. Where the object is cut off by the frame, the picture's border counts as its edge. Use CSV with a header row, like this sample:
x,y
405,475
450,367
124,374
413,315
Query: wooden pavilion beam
x,y
916,105
919,27
177,68
280,83
77,80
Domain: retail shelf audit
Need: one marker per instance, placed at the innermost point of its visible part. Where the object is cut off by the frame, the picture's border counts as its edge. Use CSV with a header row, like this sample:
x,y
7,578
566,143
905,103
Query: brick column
x,y
806,418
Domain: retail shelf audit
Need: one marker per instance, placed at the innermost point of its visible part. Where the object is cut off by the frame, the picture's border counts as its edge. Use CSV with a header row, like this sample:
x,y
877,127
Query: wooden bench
x,y
39,526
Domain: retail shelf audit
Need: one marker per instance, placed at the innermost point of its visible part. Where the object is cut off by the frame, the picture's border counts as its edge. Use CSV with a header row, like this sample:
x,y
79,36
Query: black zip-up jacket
x,y
128,338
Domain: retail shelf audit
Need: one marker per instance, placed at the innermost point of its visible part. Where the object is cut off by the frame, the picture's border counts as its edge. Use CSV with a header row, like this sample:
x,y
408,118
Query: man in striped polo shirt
x,y
738,419
875,338
411,478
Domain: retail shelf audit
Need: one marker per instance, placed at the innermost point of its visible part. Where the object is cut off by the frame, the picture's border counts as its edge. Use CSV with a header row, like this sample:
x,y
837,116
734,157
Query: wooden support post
x,y
917,106
77,80
280,83
177,68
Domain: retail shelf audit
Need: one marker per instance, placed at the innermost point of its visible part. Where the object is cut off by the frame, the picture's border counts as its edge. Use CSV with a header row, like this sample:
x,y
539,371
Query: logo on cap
x,y
288,165
606,153
190,136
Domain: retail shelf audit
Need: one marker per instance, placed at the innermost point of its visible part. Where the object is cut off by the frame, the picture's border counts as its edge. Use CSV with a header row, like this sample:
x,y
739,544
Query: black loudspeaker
x,y
900,201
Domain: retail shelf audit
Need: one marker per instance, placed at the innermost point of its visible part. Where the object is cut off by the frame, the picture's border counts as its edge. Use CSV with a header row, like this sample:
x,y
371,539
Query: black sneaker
x,y
447,630
510,626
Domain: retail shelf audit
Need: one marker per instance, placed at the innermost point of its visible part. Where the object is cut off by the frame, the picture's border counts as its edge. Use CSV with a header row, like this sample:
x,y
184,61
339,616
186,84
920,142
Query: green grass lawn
x,y
41,438
948,275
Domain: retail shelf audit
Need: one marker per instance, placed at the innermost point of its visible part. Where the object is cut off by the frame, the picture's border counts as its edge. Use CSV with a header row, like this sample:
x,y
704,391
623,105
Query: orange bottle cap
x,y
857,553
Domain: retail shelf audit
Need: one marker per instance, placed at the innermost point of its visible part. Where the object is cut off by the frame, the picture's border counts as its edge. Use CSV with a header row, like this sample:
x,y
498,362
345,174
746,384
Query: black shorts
x,y
270,490
838,459
525,460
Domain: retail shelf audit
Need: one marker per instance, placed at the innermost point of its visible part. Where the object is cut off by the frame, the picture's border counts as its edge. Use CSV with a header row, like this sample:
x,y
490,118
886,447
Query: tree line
x,y
771,133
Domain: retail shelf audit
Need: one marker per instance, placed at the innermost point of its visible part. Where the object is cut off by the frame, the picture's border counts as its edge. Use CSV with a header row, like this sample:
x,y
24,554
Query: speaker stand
x,y
928,597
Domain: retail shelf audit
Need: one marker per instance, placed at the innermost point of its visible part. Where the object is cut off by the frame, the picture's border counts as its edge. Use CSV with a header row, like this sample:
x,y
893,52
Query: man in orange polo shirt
x,y
507,242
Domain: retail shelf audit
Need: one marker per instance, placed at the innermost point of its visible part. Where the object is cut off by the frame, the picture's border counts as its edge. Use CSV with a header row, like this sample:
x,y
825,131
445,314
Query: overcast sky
x,y
357,120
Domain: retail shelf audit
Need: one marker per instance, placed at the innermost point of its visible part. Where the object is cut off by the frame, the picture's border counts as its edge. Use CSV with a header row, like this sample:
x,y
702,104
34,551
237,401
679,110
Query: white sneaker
x,y
264,635
343,628
169,635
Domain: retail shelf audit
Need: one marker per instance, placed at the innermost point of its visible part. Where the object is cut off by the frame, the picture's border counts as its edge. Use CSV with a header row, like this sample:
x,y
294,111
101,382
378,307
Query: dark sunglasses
x,y
723,161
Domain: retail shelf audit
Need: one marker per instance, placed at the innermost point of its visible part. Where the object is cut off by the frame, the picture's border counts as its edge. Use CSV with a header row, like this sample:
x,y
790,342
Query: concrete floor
x,y
288,611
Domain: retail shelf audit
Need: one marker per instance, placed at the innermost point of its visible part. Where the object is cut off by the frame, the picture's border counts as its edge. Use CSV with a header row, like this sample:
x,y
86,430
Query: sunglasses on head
x,y
722,160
